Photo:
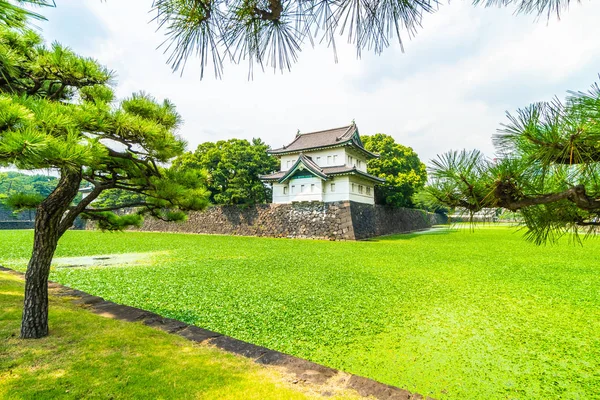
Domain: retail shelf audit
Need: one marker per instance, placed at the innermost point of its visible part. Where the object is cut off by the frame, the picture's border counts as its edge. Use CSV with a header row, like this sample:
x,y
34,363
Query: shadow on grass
x,y
87,356
413,235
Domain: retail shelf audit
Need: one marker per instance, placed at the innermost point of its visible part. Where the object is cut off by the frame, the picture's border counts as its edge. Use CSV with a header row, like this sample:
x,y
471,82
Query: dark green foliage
x,y
23,201
401,168
109,221
116,197
232,168
110,146
548,169
423,201
57,112
15,182
19,192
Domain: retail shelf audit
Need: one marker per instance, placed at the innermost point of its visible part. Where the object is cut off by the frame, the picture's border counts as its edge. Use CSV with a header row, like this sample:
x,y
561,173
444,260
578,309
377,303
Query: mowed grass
x,y
92,357
451,315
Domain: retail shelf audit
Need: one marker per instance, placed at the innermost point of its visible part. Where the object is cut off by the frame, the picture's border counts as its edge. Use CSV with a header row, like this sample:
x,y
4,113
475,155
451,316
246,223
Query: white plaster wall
x,y
284,161
322,190
298,195
278,196
295,189
340,152
324,154
356,156
342,190
358,197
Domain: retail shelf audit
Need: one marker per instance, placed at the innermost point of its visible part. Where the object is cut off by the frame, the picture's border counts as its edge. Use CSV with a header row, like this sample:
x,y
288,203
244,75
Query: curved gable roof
x,y
308,164
323,173
324,139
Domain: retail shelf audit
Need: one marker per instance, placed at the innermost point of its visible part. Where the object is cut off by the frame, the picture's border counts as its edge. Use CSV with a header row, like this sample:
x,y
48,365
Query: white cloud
x,y
448,91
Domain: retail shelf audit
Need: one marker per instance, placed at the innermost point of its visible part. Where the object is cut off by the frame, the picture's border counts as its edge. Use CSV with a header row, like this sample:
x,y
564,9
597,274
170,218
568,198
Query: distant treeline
x,y
231,169
13,183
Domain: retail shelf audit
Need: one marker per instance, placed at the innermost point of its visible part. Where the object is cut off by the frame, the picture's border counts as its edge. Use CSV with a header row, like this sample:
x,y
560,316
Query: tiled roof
x,y
322,172
272,177
309,164
323,139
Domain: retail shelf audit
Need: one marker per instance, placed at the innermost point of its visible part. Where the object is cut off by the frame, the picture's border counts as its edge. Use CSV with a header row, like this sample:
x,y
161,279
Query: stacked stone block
x,y
334,221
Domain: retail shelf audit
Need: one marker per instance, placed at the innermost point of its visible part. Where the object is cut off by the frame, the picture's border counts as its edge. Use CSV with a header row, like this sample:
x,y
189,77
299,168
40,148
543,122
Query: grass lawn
x,y
88,356
450,315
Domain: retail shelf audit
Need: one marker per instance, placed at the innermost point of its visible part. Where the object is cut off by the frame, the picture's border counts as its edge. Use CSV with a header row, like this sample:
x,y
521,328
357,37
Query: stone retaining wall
x,y
10,220
369,221
5,225
7,214
335,221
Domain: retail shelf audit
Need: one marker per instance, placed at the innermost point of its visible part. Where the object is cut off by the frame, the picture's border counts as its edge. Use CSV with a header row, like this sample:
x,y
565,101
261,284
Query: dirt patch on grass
x,y
104,260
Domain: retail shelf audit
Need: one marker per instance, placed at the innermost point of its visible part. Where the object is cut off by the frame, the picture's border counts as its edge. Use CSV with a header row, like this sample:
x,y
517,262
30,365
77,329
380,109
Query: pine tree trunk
x,y
35,309
47,232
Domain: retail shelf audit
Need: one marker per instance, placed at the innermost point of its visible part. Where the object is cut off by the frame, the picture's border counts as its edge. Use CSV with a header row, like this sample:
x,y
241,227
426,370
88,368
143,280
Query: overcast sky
x,y
448,90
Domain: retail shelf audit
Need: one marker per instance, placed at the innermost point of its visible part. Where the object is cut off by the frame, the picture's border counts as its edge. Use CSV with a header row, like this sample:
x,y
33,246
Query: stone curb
x,y
304,370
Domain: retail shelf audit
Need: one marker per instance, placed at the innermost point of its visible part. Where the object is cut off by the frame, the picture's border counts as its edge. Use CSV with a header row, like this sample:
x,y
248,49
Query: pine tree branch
x,y
588,223
149,164
274,14
114,208
71,215
576,194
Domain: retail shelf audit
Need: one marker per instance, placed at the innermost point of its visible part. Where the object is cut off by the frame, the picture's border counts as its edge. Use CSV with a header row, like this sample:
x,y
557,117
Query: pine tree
x,y
273,32
13,14
57,112
548,167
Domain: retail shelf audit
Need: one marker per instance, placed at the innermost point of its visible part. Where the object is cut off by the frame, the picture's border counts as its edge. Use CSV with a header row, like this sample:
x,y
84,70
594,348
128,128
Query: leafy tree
x,y
16,182
548,168
233,167
399,165
421,200
57,112
272,32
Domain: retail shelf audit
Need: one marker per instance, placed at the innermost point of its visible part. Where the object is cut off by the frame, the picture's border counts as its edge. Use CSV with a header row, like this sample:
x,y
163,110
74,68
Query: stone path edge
x,y
304,370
